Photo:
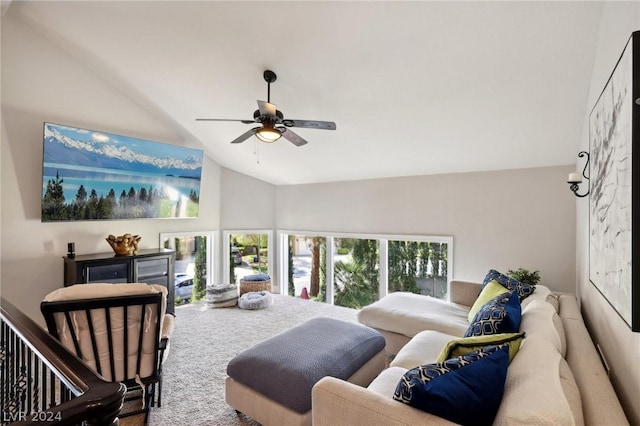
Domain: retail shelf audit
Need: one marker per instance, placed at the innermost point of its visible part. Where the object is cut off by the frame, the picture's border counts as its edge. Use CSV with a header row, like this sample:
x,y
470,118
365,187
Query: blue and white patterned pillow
x,y
501,314
524,290
465,390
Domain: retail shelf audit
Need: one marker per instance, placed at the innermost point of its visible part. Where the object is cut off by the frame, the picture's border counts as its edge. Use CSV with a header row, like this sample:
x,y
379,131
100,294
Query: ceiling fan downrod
x,y
269,76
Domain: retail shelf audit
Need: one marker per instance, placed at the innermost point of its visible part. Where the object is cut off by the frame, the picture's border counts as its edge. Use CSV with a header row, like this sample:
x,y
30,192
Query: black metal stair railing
x,y
42,382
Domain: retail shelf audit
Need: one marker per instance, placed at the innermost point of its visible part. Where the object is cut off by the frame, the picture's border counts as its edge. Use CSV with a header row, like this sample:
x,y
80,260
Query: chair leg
x,y
159,393
153,393
156,401
149,401
160,358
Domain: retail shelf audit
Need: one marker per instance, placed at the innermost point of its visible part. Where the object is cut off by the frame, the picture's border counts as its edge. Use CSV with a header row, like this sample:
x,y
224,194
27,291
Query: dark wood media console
x,y
150,266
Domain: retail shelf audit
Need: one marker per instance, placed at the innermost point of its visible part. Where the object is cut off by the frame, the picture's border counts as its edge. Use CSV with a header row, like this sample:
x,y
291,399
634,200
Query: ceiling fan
x,y
274,125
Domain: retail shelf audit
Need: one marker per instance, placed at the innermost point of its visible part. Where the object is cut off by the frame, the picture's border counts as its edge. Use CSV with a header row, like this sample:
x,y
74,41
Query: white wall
x,y
621,346
504,220
42,83
246,202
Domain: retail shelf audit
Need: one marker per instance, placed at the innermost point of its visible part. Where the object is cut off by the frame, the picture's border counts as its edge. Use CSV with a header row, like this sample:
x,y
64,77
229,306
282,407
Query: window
x,y
194,262
355,270
418,267
307,266
356,266
247,252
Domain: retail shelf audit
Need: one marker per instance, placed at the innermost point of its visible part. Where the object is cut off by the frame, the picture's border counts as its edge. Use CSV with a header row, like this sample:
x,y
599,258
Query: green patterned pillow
x,y
463,346
492,290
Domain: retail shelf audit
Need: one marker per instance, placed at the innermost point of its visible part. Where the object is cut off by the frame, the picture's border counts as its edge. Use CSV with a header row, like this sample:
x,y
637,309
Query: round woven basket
x,y
249,286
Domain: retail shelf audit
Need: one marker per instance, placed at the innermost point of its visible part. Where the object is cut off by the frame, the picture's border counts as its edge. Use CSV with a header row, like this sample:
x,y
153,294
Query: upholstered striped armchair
x,y
119,330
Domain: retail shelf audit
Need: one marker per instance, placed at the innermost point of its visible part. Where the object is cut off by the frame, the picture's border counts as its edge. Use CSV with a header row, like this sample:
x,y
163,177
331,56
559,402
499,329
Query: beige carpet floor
x,y
203,343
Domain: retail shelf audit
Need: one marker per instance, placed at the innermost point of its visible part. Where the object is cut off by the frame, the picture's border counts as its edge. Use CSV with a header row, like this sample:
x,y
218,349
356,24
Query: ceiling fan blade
x,y
226,119
310,124
292,137
266,108
246,135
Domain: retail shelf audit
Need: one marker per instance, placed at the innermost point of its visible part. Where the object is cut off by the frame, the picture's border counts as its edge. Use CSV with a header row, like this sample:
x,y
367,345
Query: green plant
x,y
291,288
199,278
524,276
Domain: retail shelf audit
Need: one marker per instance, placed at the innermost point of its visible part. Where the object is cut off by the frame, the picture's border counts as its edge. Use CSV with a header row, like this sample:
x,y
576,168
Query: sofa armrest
x,y
464,292
336,401
596,390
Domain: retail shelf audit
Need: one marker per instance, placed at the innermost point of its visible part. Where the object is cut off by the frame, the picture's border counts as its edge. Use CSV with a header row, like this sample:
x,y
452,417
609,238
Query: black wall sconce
x,y
575,179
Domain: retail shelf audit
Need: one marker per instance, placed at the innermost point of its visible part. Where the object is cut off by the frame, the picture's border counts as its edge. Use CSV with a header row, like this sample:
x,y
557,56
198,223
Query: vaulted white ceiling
x,y
414,87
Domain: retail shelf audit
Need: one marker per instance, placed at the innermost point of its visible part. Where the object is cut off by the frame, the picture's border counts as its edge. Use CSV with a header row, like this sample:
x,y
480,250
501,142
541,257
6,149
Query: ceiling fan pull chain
x,y
256,150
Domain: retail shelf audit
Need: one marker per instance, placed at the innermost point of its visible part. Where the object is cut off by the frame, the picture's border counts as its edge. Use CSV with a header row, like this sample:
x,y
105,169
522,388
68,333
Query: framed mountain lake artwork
x,y
93,175
614,240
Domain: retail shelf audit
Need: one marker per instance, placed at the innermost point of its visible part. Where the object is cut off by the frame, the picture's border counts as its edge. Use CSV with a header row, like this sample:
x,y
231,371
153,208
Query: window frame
x,y
383,244
226,234
212,238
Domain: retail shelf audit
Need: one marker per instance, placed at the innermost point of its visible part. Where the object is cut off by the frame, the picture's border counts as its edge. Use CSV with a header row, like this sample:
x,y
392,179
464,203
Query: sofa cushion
x,y
423,348
408,314
463,346
385,383
499,315
540,319
541,293
553,300
524,290
540,388
492,290
465,390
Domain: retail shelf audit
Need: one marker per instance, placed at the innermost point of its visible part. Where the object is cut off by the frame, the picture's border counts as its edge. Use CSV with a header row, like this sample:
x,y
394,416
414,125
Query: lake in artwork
x,y
92,175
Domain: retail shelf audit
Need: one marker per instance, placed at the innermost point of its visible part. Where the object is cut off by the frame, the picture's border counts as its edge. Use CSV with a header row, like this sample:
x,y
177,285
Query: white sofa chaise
x,y
400,316
556,378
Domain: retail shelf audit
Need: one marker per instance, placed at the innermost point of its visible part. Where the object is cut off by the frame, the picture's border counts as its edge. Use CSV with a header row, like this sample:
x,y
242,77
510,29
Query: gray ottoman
x,y
271,382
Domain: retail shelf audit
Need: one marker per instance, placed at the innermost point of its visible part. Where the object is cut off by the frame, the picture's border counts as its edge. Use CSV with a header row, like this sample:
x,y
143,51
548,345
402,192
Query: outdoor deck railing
x,y
41,382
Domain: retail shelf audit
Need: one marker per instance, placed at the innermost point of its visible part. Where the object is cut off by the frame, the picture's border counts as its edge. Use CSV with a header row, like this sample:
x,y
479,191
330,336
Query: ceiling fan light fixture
x,y
268,134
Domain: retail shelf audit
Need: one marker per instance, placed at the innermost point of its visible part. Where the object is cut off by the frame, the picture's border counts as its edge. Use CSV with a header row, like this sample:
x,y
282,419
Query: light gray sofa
x,y
556,378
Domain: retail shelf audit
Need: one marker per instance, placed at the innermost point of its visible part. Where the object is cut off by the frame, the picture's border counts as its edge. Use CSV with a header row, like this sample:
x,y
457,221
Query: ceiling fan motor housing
x,y
279,116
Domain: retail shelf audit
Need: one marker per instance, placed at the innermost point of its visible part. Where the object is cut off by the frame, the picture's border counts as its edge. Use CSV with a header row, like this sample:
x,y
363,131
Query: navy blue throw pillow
x,y
466,390
501,314
524,290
